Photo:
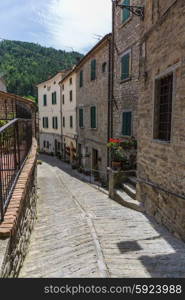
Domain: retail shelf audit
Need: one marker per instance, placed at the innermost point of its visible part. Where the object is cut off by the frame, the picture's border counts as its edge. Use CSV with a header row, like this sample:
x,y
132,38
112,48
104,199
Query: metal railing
x,y
11,109
15,144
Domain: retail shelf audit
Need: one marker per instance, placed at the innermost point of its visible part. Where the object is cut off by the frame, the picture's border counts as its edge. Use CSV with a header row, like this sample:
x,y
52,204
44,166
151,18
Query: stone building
x,y
68,105
161,114
92,108
49,103
126,38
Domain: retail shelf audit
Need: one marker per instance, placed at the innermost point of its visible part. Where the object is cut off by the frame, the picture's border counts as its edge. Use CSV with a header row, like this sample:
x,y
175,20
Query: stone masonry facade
x,y
94,93
161,164
126,92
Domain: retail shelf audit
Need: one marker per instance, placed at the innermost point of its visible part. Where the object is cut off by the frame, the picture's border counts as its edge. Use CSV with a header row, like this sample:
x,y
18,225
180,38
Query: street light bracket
x,y
136,10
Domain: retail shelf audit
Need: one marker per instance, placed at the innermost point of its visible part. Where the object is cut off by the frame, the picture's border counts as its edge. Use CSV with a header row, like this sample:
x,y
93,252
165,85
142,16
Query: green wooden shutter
x,y
56,123
93,69
127,123
55,97
125,11
45,100
93,117
81,121
125,66
81,78
71,121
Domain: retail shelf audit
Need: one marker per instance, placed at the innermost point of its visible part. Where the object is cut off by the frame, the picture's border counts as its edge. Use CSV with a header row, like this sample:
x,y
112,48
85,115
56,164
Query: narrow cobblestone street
x,y
80,232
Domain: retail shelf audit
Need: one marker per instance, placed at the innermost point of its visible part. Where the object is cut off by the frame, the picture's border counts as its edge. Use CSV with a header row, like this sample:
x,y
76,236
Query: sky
x,y
62,24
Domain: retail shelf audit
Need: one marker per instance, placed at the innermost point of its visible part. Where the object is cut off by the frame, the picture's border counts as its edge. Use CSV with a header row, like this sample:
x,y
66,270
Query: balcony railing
x,y
11,109
15,144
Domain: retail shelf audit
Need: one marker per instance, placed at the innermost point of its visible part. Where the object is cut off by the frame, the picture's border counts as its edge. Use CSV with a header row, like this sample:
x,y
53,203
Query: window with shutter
x,y
45,100
54,98
125,11
71,96
93,117
55,123
81,78
81,118
127,123
63,121
93,69
45,122
125,66
71,121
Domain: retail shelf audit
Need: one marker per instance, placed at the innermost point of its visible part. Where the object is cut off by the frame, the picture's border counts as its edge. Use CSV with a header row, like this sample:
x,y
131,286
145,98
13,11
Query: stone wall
x,y
94,92
126,93
161,165
19,219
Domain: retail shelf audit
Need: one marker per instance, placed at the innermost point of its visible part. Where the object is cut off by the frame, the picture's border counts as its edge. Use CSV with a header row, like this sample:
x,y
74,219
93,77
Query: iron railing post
x,y
1,183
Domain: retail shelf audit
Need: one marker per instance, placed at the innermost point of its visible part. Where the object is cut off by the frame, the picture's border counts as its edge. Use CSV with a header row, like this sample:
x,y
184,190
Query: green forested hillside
x,y
26,64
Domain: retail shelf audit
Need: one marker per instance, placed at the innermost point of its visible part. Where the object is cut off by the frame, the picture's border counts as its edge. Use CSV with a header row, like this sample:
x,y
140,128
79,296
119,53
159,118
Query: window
x,y
125,11
63,99
45,122
93,69
71,96
81,78
81,118
45,100
104,67
54,98
125,66
127,123
71,80
48,145
63,121
55,122
93,117
163,108
44,144
63,87
71,121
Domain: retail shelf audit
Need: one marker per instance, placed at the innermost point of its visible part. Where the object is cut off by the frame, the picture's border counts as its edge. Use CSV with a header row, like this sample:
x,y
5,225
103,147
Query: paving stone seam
x,y
100,258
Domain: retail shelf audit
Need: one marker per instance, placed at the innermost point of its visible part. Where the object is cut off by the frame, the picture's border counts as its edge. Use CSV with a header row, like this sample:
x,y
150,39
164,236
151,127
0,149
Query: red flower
x,y
114,140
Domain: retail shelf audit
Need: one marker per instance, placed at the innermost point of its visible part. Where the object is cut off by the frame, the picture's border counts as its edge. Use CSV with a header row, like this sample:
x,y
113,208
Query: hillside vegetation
x,y
26,64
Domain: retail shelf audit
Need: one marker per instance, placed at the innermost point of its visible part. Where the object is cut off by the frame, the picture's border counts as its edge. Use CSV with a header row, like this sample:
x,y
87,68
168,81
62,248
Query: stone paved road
x,y
80,232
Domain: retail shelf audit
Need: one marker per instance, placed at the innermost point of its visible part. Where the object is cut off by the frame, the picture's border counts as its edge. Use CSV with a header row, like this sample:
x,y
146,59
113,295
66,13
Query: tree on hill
x,y
27,64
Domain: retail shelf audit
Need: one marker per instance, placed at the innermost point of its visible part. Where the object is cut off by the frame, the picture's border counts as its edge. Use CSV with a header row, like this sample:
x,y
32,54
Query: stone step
x,y
129,189
124,199
132,180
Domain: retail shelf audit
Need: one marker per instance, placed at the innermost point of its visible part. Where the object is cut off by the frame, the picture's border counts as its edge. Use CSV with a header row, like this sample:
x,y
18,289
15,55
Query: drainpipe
x,y
111,81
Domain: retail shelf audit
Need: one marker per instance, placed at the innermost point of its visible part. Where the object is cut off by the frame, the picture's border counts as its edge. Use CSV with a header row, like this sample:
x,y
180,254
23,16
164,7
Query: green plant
x,y
129,143
117,152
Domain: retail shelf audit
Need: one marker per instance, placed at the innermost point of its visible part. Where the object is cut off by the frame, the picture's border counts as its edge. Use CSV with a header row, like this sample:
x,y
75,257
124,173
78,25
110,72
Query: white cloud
x,y
73,23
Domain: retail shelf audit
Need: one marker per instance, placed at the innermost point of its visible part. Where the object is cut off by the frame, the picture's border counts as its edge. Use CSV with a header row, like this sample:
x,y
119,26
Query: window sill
x,y
93,128
126,80
125,136
161,142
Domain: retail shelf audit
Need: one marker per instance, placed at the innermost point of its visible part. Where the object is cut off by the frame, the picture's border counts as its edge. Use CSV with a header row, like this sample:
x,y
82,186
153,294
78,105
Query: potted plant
x,y
129,143
117,153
